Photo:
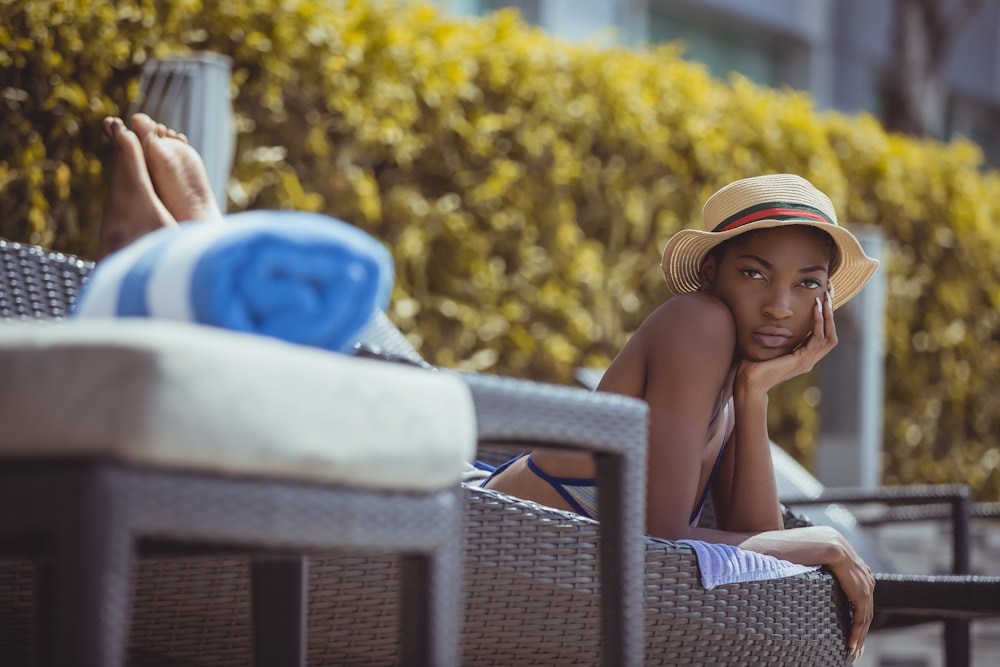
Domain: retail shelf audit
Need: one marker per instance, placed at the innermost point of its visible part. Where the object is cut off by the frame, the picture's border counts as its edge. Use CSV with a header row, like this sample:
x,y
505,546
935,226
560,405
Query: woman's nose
x,y
778,305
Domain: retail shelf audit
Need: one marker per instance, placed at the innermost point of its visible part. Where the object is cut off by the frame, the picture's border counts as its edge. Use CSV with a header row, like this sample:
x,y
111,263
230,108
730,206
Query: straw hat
x,y
763,202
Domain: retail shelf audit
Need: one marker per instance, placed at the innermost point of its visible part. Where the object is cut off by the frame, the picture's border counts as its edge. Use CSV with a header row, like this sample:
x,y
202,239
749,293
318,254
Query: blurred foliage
x,y
524,185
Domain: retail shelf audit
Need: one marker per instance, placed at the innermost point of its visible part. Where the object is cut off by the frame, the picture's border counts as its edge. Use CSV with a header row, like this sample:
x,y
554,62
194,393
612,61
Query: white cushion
x,y
186,396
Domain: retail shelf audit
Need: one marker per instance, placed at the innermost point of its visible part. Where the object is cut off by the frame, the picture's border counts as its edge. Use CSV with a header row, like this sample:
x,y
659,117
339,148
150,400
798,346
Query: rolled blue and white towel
x,y
724,564
301,277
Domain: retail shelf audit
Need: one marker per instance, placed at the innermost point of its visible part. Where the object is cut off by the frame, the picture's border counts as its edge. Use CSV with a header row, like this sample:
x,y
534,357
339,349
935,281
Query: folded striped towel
x,y
301,277
725,564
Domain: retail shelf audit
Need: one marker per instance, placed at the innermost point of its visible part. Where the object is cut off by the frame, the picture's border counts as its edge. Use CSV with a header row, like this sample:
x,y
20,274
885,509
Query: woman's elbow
x,y
738,523
667,529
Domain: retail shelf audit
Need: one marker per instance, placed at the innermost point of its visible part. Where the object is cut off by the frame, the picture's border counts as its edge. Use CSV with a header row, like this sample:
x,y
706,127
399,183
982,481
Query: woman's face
x,y
770,279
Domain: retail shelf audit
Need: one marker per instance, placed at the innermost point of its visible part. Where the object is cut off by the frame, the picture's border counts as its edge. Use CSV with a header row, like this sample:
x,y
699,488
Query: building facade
x,y
837,50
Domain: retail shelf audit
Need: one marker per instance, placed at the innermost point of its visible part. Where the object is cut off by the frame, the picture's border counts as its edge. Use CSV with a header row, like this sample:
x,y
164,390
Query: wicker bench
x,y
118,435
540,586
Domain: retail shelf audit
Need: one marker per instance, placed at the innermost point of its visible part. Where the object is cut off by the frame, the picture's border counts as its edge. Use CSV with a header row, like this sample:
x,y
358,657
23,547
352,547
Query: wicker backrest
x,y
35,283
531,589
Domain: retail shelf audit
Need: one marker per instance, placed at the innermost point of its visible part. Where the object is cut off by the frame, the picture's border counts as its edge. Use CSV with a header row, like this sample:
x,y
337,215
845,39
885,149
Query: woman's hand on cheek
x,y
763,375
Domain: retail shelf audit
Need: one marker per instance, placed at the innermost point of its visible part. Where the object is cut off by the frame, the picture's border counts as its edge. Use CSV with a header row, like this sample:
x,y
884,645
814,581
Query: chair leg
x,y
279,604
45,605
431,592
416,610
84,598
430,634
956,642
621,634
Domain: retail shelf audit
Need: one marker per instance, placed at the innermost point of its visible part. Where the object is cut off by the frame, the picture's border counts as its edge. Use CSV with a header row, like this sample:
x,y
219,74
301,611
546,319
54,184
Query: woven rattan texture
x,y
531,594
35,283
300,517
382,336
17,613
195,610
521,414
530,577
536,563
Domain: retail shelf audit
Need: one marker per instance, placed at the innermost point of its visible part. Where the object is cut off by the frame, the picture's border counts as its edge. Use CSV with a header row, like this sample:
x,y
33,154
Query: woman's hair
x,y
829,246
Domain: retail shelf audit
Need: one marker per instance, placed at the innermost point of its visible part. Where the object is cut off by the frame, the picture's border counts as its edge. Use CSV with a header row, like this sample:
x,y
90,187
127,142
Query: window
x,y
463,7
528,8
722,53
977,123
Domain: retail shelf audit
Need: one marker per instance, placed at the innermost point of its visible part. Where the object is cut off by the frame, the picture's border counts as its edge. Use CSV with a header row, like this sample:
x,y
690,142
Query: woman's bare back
x,y
629,375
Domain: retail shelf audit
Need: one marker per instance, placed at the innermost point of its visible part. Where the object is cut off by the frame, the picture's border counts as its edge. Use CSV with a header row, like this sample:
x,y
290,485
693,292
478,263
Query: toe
x,y
143,125
179,136
112,125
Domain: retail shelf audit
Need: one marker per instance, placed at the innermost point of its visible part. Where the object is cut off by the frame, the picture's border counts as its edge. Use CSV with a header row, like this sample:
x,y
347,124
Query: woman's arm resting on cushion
x,y
812,545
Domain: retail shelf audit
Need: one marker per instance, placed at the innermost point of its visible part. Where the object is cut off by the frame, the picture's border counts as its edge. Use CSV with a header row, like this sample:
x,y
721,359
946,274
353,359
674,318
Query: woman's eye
x,y
752,273
811,284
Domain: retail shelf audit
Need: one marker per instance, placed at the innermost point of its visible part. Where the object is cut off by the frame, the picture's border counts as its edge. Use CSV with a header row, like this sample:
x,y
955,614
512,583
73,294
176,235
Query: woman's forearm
x,y
753,498
810,545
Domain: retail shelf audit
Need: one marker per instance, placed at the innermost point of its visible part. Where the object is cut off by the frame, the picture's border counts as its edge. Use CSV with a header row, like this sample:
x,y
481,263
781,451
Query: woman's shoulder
x,y
687,348
696,313
691,334
696,326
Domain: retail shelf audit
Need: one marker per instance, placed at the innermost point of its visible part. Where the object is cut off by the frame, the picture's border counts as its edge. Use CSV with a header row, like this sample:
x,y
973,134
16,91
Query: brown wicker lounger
x,y
901,600
532,579
118,434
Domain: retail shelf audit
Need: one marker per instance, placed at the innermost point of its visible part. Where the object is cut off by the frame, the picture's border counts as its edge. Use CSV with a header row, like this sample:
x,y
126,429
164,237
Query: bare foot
x,y
131,207
177,170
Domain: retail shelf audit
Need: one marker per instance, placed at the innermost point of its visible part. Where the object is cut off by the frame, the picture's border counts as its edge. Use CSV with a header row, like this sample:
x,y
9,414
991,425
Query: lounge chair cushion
x,y
187,396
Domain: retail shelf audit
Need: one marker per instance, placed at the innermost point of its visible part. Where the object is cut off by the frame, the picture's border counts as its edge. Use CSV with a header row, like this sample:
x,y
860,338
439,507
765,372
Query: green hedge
x,y
525,185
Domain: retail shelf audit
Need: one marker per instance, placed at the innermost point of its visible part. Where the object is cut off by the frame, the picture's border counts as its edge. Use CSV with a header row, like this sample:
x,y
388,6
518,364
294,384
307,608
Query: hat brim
x,y
686,250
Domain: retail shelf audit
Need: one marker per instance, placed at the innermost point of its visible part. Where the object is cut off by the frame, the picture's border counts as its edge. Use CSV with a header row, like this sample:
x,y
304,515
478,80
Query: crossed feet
x,y
158,180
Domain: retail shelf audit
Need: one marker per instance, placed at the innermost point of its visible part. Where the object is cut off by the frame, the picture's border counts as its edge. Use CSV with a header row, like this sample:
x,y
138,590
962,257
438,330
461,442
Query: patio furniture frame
x,y
83,522
903,599
541,586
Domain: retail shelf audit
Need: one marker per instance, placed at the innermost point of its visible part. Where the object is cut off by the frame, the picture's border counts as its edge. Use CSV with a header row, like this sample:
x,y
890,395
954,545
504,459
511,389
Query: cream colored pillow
x,y
186,396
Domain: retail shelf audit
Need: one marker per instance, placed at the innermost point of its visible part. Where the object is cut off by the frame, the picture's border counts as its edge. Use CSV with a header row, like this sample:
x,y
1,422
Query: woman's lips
x,y
771,337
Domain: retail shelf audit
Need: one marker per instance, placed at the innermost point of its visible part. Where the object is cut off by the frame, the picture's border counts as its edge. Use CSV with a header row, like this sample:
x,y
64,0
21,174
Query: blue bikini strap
x,y
711,475
558,483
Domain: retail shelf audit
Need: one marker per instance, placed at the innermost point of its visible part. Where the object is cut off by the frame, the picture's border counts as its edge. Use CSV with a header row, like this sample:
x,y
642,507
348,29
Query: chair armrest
x,y
527,561
522,413
38,283
512,411
934,598
916,494
957,496
977,510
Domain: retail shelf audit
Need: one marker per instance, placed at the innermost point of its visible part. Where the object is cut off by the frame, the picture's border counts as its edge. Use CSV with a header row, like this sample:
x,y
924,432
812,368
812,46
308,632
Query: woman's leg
x,y
131,207
158,179
178,172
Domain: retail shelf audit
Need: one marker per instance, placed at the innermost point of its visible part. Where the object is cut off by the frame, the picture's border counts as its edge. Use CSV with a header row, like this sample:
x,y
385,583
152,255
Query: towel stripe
x,y
300,277
170,291
100,294
132,294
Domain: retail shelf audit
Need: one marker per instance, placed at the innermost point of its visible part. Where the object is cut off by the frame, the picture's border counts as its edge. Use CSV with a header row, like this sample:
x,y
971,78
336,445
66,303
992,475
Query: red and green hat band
x,y
775,210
